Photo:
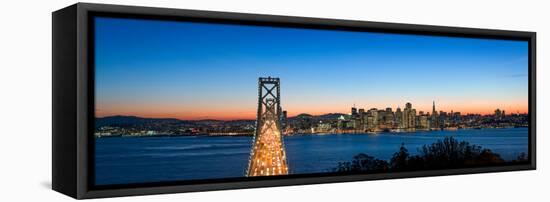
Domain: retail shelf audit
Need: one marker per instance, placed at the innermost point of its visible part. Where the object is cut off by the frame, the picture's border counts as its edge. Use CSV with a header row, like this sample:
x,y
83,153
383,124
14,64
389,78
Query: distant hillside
x,y
128,121
125,121
331,116
324,116
133,120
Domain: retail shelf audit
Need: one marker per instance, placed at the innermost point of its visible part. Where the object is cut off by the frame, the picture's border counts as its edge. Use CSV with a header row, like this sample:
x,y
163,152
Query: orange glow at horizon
x,y
249,113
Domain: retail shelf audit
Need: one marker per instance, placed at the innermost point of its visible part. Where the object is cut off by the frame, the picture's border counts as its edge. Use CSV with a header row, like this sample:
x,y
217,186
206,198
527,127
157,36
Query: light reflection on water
x,y
121,160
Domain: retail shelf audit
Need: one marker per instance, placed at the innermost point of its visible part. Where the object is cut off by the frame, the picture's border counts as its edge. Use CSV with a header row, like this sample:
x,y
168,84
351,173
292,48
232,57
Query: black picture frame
x,y
73,97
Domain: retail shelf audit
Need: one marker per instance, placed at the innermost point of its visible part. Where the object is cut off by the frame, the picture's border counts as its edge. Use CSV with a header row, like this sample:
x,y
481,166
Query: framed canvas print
x,y
155,100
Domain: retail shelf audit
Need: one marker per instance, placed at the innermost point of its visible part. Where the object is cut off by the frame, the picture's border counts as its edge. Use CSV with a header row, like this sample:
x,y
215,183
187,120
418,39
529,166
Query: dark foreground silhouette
x,y
443,154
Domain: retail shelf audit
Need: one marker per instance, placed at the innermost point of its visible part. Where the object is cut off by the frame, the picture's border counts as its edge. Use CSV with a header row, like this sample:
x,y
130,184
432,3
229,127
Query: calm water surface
x,y
123,160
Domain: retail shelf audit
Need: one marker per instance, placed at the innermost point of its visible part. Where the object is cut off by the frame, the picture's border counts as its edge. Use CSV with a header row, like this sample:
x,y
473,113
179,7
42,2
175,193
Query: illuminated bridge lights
x,y
268,154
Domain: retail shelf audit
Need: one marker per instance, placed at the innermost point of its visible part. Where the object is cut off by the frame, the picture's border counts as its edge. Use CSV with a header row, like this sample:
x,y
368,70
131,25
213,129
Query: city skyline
x,y
193,71
348,112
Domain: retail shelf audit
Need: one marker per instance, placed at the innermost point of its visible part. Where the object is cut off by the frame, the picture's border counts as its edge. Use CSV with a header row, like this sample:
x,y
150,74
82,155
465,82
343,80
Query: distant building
x,y
342,123
389,117
434,120
381,117
499,114
284,119
423,121
399,118
323,127
409,117
375,119
354,111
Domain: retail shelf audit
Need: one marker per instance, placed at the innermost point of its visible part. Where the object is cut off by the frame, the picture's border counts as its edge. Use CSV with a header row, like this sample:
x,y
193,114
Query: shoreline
x,y
289,135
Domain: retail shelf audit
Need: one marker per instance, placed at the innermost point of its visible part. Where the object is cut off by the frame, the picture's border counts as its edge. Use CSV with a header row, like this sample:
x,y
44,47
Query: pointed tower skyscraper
x,y
435,118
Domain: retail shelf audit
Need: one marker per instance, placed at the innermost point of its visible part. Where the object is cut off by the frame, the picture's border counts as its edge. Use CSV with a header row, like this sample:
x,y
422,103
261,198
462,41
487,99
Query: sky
x,y
192,71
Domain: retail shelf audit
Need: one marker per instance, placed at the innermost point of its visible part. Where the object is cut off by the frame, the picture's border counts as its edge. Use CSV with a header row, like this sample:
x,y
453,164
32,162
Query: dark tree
x,y
400,159
442,154
450,153
486,157
361,163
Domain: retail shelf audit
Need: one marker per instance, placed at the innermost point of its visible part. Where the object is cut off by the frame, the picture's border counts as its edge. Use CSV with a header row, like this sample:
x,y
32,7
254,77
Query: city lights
x,y
268,154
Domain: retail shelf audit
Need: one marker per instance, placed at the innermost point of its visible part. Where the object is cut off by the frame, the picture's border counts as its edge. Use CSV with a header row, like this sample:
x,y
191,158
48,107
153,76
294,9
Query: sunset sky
x,y
184,70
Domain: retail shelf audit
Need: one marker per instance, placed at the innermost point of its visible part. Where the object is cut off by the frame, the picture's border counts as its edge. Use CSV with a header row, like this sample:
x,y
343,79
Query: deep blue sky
x,y
198,70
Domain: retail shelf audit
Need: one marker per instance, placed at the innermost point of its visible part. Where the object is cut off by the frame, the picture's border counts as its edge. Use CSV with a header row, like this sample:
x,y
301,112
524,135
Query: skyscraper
x,y
399,118
284,119
389,117
354,111
409,117
434,122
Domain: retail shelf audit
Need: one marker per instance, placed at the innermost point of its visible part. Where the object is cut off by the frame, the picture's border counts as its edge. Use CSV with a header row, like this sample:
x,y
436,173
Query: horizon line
x,y
252,119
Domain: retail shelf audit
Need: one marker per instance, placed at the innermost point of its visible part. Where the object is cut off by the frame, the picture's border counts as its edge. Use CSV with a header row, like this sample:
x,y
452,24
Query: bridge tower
x,y
268,155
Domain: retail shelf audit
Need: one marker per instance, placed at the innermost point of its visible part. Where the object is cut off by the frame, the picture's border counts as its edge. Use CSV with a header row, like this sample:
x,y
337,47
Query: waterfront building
x,y
443,120
362,120
357,125
284,119
499,114
370,123
389,117
381,117
423,121
354,122
409,117
354,111
399,118
323,127
341,123
350,124
434,120
375,118
413,116
406,112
